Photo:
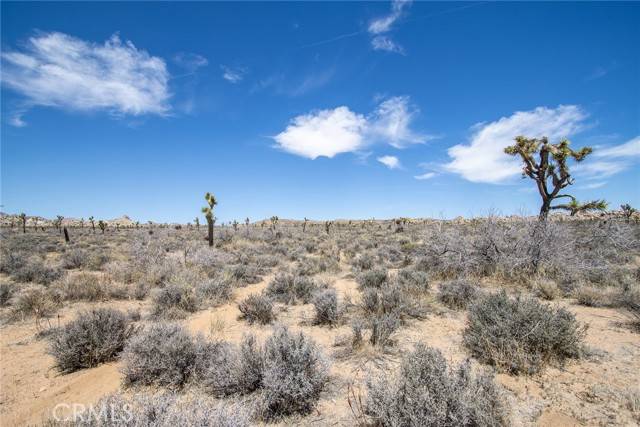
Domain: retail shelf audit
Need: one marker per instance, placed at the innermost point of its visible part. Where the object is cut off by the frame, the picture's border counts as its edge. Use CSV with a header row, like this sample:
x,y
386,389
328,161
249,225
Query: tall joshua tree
x,y
102,225
93,224
208,214
550,170
23,218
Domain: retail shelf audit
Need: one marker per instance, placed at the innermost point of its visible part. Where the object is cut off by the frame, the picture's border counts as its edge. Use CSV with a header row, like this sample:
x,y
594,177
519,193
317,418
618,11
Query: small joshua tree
x,y
327,226
93,223
550,171
58,223
23,218
82,222
574,206
274,223
247,221
235,225
102,225
627,211
304,224
197,222
208,214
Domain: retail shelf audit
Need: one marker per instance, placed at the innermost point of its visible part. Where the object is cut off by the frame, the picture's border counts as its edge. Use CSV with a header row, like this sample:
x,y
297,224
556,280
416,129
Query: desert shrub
x,y
411,279
382,328
34,270
174,301
325,304
592,296
457,294
426,392
217,368
391,300
363,262
521,335
375,278
81,287
94,337
6,292
547,289
251,367
164,355
246,274
295,371
140,290
97,260
629,298
289,288
162,410
34,301
74,258
257,308
219,289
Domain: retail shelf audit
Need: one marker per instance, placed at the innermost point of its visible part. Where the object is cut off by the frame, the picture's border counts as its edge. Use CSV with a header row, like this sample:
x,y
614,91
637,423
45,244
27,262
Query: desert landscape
x,y
398,322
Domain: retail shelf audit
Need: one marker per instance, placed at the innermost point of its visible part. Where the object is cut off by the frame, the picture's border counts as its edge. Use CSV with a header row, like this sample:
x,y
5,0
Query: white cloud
x,y
233,75
425,176
391,121
58,70
593,185
384,24
340,130
324,133
599,169
392,162
386,44
483,158
628,149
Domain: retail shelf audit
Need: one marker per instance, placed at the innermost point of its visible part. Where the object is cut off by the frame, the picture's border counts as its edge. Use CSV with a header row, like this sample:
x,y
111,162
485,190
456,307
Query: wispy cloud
x,y
601,71
293,86
340,130
483,158
190,61
384,24
233,74
593,185
425,176
59,70
609,160
630,148
391,162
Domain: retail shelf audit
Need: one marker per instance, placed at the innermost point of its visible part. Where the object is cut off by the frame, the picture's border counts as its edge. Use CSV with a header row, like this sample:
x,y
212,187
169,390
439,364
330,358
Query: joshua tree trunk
x,y
66,235
210,225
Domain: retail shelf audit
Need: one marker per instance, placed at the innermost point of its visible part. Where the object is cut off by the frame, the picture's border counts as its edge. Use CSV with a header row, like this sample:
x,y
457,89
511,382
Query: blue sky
x,y
324,110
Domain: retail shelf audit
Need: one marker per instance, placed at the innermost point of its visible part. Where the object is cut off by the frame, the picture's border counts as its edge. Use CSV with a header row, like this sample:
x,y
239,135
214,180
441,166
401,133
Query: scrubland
x,y
482,322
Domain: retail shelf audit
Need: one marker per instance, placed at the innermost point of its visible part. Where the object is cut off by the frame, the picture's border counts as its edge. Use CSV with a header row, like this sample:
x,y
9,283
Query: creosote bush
x,y
257,308
426,392
521,335
93,338
457,294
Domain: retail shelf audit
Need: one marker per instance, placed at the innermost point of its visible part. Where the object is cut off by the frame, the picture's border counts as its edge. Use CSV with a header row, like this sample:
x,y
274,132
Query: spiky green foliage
x,y
627,210
575,206
551,170
102,225
208,214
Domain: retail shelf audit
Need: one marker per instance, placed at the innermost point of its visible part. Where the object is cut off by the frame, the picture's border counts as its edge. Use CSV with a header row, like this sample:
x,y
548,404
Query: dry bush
x,y
163,355
218,289
6,292
457,294
592,296
295,371
426,392
174,302
547,289
257,308
36,301
325,304
375,278
289,288
84,287
521,335
93,338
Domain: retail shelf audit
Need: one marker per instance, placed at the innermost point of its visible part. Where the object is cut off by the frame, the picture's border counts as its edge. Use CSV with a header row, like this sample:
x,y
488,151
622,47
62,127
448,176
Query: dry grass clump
x,y
521,335
257,308
457,294
426,392
547,289
93,338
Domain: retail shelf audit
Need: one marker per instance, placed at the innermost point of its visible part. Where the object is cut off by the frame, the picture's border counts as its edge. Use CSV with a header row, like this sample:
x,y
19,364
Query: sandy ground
x,y
592,391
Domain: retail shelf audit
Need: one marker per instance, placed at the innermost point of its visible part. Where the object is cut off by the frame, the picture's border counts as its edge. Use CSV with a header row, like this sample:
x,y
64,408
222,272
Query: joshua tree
x,y
93,223
66,235
58,223
574,206
327,226
102,225
208,214
627,211
235,225
247,221
23,218
274,223
550,172
82,222
197,221
304,224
